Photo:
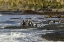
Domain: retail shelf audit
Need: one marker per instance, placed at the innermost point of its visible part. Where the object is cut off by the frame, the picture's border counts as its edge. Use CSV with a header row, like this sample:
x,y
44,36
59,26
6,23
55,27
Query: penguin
x,y
41,24
23,23
35,25
30,23
26,22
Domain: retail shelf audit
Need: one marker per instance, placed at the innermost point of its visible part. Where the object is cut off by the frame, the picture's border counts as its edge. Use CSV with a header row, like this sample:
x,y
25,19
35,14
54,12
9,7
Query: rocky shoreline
x,y
30,12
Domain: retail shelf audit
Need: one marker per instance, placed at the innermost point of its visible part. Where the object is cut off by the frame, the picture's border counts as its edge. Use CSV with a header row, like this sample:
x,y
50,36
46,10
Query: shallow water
x,y
7,17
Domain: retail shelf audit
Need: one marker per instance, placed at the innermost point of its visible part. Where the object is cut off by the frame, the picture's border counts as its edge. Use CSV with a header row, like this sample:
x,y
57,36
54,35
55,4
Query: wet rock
x,y
54,27
56,36
18,27
12,27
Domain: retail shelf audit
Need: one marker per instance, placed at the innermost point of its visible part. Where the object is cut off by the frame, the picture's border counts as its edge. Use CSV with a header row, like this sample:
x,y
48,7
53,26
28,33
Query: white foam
x,y
22,36
0,15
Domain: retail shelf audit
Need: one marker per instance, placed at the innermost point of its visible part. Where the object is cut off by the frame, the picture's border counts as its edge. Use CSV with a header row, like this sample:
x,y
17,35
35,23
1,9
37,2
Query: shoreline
x,y
30,12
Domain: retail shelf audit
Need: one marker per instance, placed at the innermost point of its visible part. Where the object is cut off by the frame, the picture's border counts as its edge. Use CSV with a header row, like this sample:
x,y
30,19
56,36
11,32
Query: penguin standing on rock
x,y
35,25
30,23
26,21
23,23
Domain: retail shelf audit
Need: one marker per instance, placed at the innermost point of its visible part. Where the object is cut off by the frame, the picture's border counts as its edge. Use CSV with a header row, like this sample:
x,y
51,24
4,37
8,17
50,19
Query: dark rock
x,y
18,27
54,27
56,36
30,12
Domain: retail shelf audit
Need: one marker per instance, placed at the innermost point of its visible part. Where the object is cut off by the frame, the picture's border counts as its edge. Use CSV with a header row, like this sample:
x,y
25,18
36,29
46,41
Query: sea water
x,y
22,35
26,35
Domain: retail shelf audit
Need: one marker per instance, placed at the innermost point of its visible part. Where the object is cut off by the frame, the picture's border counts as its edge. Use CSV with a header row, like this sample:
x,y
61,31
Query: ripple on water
x,y
23,36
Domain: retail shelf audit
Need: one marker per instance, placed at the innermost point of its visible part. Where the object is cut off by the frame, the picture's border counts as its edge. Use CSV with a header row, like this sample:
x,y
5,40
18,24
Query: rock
x,y
56,36
30,12
54,27
18,27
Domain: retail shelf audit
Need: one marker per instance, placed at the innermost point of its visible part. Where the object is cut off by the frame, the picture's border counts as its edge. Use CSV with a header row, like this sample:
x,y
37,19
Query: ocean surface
x,y
22,35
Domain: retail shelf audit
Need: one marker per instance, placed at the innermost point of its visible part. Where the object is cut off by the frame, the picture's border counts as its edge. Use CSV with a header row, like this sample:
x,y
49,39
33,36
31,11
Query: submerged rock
x,y
56,36
18,27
